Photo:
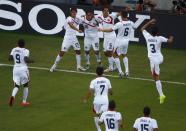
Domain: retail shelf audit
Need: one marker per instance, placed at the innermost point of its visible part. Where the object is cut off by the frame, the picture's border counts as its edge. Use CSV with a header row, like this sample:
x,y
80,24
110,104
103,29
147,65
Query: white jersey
x,y
108,23
153,44
145,124
90,27
124,29
69,31
111,120
18,55
100,85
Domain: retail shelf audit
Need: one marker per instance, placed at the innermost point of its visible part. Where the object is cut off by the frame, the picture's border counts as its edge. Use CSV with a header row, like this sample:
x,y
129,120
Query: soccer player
x,y
124,28
145,123
20,56
155,56
70,39
91,38
111,118
107,21
101,87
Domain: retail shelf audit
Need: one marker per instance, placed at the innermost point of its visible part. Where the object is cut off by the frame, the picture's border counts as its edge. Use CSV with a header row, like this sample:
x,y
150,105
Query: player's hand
x,y
153,21
80,31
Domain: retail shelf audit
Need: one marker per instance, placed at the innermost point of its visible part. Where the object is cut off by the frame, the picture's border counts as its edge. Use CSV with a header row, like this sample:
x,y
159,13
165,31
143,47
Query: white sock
x,y
98,57
58,59
159,87
125,61
96,120
78,60
87,58
111,61
14,92
117,61
25,94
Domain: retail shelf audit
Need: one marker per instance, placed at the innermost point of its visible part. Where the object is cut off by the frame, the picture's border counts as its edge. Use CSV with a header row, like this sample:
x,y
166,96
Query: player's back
x,y
153,43
111,120
19,55
145,124
101,86
125,29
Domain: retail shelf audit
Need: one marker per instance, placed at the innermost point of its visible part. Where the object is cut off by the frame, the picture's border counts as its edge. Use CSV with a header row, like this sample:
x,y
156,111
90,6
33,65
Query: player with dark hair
x,y
91,24
111,118
145,123
124,28
20,56
100,87
70,39
155,56
107,21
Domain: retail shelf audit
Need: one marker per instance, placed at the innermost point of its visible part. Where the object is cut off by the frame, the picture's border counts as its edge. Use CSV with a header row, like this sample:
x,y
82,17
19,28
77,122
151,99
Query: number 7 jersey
x,y
100,86
18,55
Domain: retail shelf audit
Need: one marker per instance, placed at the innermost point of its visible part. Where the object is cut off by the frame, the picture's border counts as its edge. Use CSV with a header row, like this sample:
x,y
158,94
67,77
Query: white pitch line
x,y
89,73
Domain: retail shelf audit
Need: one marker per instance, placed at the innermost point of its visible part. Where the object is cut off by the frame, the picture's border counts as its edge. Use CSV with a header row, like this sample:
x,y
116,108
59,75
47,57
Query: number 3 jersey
x,y
111,120
18,55
100,86
145,124
153,44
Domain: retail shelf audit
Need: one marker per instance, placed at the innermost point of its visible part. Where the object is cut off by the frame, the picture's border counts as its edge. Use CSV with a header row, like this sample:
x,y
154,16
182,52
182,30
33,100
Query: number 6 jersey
x,y
100,86
19,54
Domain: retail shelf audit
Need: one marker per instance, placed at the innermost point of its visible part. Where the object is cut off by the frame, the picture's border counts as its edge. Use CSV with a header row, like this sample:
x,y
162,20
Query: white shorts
x,y
68,42
108,44
94,42
20,75
100,108
121,46
154,64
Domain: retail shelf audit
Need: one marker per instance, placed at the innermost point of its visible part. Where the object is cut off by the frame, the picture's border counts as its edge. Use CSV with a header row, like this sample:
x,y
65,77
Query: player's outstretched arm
x,y
105,30
170,39
28,60
74,28
151,22
10,58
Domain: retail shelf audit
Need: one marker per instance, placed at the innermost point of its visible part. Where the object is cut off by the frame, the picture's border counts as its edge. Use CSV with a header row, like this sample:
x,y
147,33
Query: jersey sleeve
x,y
145,34
92,84
133,25
163,39
119,117
117,26
70,21
109,84
98,18
113,15
26,53
154,124
12,52
135,124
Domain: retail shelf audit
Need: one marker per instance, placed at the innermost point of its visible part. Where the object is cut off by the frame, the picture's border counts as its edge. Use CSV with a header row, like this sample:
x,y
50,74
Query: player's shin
x,y
78,60
117,61
25,94
87,58
126,64
14,92
159,87
111,62
96,120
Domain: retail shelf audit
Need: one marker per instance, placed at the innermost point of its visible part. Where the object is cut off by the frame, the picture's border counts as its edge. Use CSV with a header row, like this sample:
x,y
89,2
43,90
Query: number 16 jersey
x,y
100,86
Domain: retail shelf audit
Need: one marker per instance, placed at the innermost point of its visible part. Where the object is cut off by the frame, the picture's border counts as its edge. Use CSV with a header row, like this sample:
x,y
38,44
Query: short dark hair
x,y
112,104
21,43
89,11
146,111
99,70
154,30
105,7
73,9
124,13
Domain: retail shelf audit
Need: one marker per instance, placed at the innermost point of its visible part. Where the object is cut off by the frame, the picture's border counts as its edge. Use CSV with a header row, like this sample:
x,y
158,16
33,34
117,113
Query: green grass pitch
x,y
57,98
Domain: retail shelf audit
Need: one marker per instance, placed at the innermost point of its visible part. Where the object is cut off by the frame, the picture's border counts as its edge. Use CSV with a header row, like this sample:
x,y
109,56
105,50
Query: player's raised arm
x,y
105,30
152,21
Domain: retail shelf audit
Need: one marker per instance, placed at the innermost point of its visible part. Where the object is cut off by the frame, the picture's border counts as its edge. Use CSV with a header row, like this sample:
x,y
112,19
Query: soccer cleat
x,y
162,99
81,69
52,69
87,66
108,70
121,74
25,104
126,74
11,101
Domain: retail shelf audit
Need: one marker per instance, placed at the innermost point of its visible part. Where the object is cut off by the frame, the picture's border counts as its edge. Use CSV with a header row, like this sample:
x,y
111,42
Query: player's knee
x,y
61,53
16,85
78,52
25,85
